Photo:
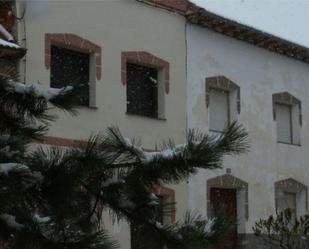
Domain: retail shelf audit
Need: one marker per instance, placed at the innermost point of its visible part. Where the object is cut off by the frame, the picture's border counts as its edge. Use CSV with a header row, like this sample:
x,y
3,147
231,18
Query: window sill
x,y
87,107
147,117
215,131
279,142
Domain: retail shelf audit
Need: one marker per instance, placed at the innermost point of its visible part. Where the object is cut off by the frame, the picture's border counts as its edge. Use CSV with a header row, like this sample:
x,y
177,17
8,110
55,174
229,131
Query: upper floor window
x,y
73,60
287,114
219,113
223,102
70,67
142,90
147,79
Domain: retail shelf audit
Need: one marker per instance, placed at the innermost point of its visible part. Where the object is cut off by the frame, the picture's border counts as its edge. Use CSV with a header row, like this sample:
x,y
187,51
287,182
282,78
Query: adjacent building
x,y
239,73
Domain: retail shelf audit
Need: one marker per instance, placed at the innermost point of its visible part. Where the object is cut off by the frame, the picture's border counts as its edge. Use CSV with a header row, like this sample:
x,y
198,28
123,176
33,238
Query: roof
x,y
11,50
199,16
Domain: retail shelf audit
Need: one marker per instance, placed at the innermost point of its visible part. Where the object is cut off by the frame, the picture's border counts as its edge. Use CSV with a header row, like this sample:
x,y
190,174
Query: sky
x,y
288,19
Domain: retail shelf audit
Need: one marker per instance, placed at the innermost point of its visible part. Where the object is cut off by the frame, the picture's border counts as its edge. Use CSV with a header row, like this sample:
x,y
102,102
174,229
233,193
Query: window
x,y
70,67
219,111
287,201
142,90
88,49
147,78
293,195
284,123
222,101
287,114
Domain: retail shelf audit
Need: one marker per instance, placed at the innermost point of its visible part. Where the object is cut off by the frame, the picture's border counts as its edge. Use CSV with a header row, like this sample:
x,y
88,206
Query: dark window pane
x,y
69,67
142,93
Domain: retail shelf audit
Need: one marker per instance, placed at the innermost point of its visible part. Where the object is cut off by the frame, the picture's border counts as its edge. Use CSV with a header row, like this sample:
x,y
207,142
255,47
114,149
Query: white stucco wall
x,y
259,73
116,26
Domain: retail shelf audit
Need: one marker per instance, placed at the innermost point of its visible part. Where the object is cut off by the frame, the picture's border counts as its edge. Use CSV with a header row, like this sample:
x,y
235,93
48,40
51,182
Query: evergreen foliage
x,y
53,198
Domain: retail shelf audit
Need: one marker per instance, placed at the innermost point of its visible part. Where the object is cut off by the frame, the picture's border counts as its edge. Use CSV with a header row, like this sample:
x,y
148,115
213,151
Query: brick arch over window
x,y
75,42
229,182
286,98
290,185
168,193
222,83
142,57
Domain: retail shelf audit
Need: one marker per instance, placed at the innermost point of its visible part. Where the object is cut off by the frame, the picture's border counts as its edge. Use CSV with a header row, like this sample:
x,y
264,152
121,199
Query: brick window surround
x,y
72,41
230,182
168,193
286,98
222,83
291,186
148,59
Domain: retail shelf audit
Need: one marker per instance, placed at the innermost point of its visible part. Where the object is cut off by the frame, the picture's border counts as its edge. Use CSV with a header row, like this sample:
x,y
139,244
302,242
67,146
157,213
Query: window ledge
x,y
215,131
86,107
279,142
147,117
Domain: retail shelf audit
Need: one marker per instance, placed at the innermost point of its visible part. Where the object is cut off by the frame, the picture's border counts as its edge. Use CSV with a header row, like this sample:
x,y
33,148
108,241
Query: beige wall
x,y
117,26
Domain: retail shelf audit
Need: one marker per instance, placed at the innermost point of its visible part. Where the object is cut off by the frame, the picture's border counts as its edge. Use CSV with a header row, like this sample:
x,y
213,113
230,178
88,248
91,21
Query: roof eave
x,y
248,34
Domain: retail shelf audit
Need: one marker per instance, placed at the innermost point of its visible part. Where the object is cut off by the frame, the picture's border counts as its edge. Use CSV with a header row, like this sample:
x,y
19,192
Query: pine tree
x,y
50,197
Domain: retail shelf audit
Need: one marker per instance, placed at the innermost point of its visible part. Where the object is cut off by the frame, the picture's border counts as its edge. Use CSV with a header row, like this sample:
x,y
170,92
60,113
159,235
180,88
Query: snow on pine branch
x,y
8,44
10,220
40,219
149,156
208,228
8,36
6,168
38,90
164,154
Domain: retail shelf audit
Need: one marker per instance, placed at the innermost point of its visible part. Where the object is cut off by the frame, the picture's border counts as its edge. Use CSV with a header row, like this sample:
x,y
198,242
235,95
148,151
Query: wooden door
x,y
224,202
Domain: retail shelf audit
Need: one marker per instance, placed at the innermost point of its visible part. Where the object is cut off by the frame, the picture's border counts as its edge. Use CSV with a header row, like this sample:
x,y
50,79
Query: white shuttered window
x,y
218,109
287,200
284,123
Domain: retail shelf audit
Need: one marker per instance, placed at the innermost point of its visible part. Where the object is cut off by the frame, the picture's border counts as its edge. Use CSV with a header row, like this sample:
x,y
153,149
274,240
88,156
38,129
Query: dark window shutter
x,y
142,90
70,67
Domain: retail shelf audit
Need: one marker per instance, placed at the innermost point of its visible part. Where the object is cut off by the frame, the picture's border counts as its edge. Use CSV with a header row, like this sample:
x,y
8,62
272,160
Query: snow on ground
x,y
286,19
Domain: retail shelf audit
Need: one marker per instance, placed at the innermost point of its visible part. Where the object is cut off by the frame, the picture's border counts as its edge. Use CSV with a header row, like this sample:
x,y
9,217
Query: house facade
x,y
237,73
110,44
202,72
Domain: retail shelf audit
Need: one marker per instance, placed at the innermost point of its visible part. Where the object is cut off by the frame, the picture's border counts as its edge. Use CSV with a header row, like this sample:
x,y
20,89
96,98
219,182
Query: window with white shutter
x,y
218,110
287,201
284,123
293,195
222,102
288,117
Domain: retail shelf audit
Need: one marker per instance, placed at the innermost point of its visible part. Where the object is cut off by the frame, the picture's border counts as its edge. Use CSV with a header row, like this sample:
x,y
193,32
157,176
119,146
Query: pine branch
x,y
24,108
